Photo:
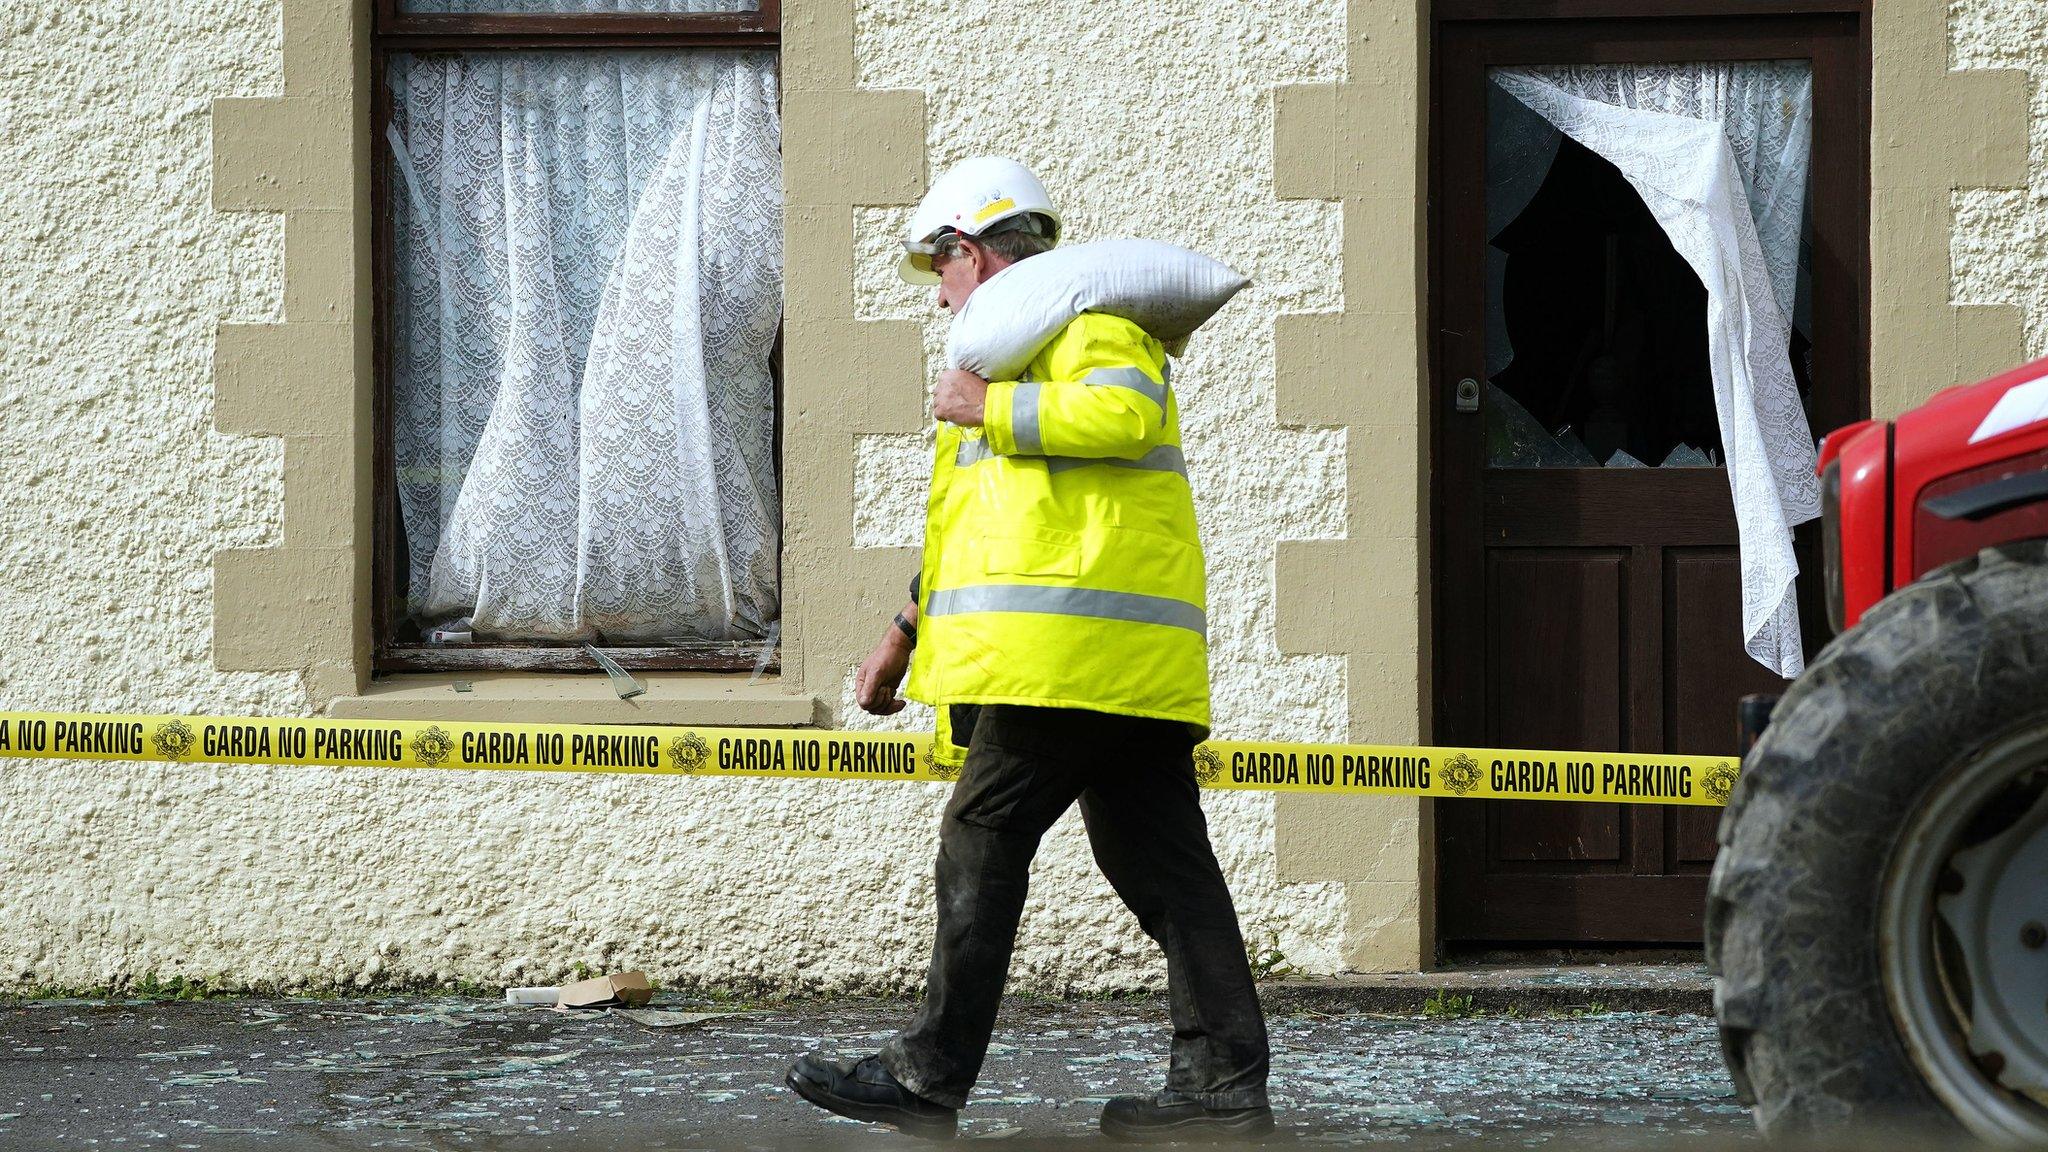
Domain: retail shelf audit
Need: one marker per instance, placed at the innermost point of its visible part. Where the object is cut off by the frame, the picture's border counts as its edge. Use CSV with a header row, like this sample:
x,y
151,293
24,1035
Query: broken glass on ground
x,y
498,1073
666,1017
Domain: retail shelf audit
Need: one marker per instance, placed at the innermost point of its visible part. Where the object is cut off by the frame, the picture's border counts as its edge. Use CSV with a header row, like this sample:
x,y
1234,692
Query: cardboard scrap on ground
x,y
620,994
619,990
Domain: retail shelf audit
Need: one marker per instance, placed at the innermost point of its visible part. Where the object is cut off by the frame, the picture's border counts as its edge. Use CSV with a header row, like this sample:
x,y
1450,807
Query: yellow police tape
x,y
1344,769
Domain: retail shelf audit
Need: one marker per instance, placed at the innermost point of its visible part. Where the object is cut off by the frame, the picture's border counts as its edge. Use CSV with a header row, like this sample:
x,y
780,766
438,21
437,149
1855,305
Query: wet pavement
x,y
446,1072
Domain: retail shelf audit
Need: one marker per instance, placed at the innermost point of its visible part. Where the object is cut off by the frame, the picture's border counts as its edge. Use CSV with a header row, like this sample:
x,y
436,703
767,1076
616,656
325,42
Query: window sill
x,y
703,699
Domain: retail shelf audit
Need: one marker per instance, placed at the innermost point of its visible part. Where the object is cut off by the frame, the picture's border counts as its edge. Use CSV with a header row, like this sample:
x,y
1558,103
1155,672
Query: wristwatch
x,y
908,629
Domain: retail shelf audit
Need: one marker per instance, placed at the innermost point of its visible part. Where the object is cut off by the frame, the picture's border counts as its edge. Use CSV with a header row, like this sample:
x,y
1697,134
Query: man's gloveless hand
x,y
874,686
959,397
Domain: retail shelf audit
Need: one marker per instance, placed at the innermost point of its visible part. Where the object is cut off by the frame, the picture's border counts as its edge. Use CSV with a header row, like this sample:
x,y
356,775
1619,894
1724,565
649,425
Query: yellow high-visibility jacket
x,y
1062,567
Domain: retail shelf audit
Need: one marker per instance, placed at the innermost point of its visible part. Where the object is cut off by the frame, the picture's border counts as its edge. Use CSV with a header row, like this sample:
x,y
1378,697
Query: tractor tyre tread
x,y
1934,670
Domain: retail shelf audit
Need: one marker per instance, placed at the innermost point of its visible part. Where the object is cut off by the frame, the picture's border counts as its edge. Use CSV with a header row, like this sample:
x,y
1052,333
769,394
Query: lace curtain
x,y
587,289
1719,153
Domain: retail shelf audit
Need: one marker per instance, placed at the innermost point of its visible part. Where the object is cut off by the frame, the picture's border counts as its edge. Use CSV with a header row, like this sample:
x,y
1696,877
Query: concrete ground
x,y
446,1072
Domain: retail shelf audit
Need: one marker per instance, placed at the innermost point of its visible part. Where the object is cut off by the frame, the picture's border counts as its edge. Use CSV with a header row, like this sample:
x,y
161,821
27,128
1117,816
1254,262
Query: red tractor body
x,y
1965,471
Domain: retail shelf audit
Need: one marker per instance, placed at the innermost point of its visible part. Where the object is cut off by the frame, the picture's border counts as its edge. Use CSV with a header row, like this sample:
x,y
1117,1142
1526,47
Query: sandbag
x,y
1166,290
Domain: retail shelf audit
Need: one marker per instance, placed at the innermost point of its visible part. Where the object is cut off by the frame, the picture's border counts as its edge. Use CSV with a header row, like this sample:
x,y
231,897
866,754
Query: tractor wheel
x,y
1877,921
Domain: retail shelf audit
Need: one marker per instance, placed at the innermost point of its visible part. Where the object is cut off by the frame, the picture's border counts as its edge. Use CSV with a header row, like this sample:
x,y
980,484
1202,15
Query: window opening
x,y
1597,326
579,315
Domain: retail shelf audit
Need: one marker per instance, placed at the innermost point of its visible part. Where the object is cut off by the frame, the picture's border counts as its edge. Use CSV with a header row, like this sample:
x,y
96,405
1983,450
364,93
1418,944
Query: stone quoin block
x,y
284,379
284,153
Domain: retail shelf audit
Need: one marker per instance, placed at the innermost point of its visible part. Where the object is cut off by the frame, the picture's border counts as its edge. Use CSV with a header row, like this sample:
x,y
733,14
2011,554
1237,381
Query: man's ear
x,y
979,254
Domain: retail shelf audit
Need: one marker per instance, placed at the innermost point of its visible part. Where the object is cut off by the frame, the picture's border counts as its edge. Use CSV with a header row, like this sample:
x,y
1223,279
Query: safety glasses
x,y
921,252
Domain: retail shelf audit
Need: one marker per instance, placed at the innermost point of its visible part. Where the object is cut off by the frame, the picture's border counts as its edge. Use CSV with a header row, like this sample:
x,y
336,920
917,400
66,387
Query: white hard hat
x,y
974,198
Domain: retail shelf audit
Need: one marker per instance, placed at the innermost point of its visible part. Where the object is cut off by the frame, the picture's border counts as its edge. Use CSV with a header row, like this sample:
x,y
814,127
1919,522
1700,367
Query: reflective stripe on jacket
x,y
1061,562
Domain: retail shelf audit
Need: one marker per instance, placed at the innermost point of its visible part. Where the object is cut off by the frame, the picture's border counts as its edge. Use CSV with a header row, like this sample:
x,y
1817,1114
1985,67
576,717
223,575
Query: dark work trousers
x,y
1136,782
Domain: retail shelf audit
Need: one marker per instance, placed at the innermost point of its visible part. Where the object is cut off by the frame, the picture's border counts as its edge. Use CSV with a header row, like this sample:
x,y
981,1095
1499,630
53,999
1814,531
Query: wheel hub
x,y
1964,939
2000,923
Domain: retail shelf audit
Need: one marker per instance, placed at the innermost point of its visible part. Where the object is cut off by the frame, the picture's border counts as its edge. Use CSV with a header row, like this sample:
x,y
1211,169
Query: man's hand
x,y
959,398
874,686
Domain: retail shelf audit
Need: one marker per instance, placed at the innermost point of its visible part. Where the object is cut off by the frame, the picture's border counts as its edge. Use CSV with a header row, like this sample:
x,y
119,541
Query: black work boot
x,y
864,1090
1171,1116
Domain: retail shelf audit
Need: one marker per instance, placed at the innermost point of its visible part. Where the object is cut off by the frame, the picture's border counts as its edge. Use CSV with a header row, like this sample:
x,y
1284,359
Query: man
x,y
1059,629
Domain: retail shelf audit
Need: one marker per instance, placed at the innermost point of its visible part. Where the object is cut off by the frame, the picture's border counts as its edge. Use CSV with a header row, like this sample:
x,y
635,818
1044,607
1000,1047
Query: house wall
x,y
2000,262
291,875
185,383
1947,121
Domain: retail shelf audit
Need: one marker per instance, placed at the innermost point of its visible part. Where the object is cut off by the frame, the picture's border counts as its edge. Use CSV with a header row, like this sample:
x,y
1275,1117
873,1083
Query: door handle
x,y
1467,399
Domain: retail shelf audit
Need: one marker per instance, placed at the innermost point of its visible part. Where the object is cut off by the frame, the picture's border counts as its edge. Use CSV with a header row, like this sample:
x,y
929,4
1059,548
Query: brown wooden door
x,y
1599,608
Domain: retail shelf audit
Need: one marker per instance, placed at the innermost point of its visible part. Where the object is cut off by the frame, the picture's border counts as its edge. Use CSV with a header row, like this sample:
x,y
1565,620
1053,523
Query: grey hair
x,y
1021,242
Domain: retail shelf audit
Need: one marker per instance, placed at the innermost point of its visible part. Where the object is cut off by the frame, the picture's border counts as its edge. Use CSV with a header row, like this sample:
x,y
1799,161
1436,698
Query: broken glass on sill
x,y
1687,456
1515,439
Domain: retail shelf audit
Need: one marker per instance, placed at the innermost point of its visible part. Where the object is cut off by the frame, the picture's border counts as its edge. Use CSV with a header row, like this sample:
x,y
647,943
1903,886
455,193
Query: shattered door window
x,y
1597,327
